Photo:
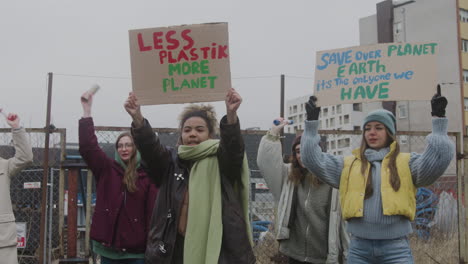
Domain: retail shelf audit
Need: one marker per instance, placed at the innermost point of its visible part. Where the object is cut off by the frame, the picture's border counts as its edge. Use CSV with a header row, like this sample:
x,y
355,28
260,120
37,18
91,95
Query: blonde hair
x,y
130,174
394,177
206,112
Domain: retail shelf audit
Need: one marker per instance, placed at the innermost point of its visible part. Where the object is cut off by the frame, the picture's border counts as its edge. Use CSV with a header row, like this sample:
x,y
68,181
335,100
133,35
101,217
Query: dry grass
x,y
439,248
267,251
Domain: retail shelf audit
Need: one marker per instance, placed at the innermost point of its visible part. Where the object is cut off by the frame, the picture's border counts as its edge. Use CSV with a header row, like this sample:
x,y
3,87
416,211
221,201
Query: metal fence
x,y
435,229
436,236
26,194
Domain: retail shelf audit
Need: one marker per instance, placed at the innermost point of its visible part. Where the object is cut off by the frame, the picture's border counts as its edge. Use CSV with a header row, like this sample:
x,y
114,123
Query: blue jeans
x,y
105,260
379,251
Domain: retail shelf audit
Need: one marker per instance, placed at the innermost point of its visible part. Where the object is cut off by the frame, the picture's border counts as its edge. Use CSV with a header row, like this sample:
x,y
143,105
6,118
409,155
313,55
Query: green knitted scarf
x,y
204,231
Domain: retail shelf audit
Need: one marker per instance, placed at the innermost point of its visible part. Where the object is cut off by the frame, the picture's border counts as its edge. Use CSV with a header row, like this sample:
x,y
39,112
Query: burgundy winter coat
x,y
121,218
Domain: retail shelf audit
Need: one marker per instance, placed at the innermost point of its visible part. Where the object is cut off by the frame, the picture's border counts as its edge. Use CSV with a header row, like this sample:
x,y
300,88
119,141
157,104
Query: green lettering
x,y
417,50
185,84
186,68
407,49
174,67
371,93
195,67
346,94
195,83
341,69
204,69
353,68
360,92
174,88
383,91
202,82
212,80
362,67
391,48
165,84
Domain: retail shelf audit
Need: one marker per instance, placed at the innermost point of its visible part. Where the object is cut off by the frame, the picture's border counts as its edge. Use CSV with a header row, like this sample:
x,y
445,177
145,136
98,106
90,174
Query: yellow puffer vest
x,y
353,185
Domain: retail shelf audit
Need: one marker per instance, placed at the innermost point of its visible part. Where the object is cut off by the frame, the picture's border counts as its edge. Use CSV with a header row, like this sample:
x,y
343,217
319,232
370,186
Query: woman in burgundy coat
x,y
125,195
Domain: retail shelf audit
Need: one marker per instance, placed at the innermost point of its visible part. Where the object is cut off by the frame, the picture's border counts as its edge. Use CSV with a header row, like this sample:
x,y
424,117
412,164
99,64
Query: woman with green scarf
x,y
125,196
201,216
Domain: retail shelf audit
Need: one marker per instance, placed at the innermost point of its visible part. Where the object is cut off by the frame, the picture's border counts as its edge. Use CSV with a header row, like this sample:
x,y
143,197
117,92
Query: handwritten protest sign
x,y
384,72
180,64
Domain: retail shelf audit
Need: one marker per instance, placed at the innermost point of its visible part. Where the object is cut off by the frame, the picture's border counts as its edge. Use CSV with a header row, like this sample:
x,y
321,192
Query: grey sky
x,y
267,38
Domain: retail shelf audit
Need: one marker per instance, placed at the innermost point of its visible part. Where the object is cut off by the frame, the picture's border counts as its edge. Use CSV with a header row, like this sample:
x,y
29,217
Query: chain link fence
x,y
436,228
26,194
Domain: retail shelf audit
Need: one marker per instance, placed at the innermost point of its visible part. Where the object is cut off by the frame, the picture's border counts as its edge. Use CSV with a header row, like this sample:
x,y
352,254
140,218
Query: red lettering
x,y
171,59
157,40
162,55
194,54
205,52
213,51
141,44
187,38
222,51
174,42
181,56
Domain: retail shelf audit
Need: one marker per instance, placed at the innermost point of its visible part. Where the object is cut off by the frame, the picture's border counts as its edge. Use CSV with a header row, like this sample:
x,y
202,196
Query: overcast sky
x,y
90,38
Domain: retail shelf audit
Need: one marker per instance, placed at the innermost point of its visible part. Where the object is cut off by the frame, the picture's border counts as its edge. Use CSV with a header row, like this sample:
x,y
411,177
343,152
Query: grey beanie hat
x,y
383,116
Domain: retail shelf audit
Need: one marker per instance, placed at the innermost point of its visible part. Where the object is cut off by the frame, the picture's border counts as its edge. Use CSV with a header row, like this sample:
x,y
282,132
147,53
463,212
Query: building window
x,y
466,103
357,107
294,109
341,120
397,28
333,145
356,128
332,122
343,143
465,76
325,112
463,15
464,45
346,119
338,109
403,139
326,123
333,110
402,113
302,107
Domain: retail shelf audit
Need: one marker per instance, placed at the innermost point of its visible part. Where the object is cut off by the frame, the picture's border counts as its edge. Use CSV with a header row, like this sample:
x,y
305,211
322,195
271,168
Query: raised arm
x,y
326,166
270,160
156,156
231,148
89,149
427,167
23,150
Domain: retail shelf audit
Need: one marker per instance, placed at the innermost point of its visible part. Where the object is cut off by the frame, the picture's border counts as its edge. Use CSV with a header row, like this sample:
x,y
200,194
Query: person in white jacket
x,y
308,212
9,168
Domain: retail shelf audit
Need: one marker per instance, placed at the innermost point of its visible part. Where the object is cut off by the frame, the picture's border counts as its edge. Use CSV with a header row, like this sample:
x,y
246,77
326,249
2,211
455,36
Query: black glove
x,y
312,109
438,104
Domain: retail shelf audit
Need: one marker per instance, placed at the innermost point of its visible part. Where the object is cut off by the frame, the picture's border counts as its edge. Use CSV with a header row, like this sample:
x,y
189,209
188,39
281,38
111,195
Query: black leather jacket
x,y
171,175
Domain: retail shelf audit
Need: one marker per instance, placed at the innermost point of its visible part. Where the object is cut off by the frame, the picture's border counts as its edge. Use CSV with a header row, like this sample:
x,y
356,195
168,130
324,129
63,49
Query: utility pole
x,y
282,108
45,176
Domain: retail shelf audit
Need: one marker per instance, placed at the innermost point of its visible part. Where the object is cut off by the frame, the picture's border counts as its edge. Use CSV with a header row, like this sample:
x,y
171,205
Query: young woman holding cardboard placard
x,y
201,215
378,183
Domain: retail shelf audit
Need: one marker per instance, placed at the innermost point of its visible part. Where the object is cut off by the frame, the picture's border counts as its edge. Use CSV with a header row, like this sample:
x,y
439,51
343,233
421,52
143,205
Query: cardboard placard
x,y
180,64
383,72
